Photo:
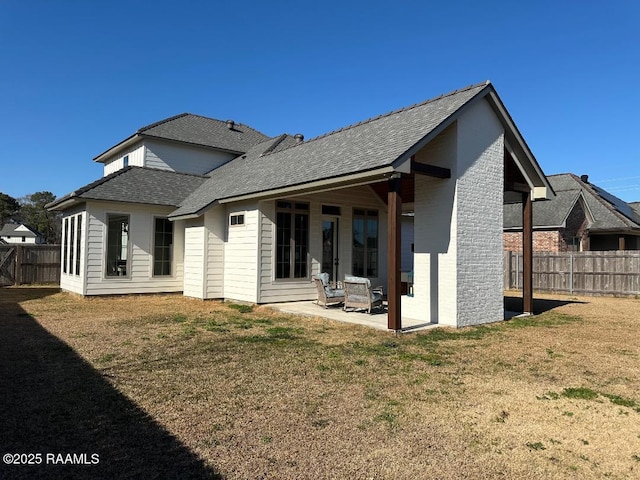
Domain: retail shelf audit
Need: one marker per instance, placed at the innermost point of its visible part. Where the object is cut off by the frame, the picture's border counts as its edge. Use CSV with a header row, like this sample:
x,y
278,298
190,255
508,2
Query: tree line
x,y
30,210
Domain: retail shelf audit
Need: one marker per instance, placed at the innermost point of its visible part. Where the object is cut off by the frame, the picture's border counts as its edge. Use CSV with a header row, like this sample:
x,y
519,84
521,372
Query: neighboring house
x,y
581,217
215,209
20,233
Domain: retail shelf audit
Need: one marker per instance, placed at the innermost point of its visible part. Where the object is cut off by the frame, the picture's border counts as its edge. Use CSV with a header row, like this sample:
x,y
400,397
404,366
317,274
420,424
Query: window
x,y
236,219
117,245
365,243
24,239
163,246
125,161
78,244
292,240
71,244
574,244
331,210
65,245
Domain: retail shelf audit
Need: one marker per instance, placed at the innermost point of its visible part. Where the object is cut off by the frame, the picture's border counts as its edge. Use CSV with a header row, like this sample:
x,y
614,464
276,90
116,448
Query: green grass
x,y
585,393
241,308
580,393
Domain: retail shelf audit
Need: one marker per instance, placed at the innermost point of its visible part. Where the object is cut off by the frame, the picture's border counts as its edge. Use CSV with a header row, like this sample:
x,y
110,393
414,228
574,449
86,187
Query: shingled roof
x,y
197,130
608,211
138,185
9,229
369,145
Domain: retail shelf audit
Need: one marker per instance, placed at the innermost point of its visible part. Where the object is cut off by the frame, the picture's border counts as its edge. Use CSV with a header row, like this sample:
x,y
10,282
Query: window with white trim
x,y
71,244
162,247
292,240
365,243
236,219
117,261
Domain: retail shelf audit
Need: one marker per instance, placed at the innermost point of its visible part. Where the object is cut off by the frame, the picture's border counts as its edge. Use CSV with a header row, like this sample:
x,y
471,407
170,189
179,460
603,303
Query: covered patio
x,y
450,184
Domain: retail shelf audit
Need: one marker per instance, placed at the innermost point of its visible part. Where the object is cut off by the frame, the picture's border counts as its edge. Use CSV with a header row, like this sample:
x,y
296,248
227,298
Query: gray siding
x,y
140,279
183,158
136,159
241,254
215,222
194,261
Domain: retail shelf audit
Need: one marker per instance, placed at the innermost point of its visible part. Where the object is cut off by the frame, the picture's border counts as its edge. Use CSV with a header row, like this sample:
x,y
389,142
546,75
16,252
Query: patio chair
x,y
359,294
327,294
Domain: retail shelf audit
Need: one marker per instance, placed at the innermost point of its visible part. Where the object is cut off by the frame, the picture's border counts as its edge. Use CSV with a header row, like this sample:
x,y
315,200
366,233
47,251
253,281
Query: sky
x,y
77,77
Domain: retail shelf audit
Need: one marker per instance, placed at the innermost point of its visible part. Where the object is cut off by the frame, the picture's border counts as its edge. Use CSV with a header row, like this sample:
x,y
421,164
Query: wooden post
x,y
527,253
19,261
394,203
621,244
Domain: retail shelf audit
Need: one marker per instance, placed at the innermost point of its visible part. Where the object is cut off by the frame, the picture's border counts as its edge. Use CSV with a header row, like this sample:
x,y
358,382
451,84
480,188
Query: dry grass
x,y
168,387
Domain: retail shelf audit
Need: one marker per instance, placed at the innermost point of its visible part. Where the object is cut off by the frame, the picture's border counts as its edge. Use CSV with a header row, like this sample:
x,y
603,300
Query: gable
x,y
366,151
195,130
602,214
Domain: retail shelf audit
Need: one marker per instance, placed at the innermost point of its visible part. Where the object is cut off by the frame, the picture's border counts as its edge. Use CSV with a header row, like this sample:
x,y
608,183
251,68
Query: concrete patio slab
x,y
377,320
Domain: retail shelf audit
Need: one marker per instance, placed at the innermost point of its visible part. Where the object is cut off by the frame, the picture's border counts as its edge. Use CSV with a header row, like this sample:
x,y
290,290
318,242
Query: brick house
x,y
581,217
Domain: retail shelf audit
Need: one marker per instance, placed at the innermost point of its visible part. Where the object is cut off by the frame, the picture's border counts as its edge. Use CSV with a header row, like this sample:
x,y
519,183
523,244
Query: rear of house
x,y
253,218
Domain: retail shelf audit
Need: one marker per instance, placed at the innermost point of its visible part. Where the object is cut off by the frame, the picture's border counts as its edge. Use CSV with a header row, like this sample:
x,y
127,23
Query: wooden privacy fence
x,y
596,273
24,264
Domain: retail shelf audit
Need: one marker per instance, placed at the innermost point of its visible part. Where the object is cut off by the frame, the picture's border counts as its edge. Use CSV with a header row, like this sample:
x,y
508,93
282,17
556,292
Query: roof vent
x,y
230,124
584,178
299,137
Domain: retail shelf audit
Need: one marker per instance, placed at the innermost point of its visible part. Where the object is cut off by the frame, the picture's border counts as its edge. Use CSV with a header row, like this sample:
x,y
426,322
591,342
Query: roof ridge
x,y
160,122
606,203
393,112
277,141
168,171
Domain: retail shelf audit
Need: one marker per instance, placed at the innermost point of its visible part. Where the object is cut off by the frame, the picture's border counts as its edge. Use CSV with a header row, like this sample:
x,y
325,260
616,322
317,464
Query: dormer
x,y
185,143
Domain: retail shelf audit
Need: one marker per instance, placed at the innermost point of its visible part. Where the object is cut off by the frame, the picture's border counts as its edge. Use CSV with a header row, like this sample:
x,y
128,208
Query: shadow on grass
x,y
514,304
53,402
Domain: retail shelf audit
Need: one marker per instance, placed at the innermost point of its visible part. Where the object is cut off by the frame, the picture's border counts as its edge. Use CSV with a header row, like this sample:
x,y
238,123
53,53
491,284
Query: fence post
x,y
19,260
517,271
571,273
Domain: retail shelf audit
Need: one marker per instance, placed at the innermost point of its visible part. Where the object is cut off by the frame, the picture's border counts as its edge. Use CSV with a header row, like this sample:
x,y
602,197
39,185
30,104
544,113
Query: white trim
x,y
153,248
105,240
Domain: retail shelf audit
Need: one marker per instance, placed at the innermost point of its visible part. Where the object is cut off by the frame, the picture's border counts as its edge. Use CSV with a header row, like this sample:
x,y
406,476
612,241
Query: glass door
x,y
330,260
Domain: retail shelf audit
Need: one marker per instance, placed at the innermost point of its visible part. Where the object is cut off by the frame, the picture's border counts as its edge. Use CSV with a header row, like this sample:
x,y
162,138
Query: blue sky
x,y
79,76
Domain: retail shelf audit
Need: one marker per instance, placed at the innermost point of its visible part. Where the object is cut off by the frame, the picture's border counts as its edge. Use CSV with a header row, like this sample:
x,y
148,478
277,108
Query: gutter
x,y
127,142
326,185
318,186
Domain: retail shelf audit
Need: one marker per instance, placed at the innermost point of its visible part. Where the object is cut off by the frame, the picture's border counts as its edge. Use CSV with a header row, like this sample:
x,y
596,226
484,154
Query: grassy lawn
x,y
168,387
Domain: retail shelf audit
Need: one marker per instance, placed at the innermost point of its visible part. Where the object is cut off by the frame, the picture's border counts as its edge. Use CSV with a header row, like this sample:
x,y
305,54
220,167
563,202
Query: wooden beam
x,y
430,170
516,187
621,243
527,253
394,202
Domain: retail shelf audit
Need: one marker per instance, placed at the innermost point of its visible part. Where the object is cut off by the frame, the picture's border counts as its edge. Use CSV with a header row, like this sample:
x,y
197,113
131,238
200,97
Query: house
x,y
581,217
20,233
215,209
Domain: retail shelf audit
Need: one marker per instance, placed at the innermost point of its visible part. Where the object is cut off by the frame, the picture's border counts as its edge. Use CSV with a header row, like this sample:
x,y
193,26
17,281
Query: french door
x,y
330,257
